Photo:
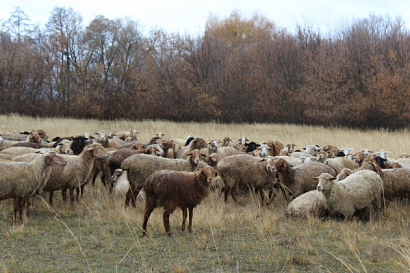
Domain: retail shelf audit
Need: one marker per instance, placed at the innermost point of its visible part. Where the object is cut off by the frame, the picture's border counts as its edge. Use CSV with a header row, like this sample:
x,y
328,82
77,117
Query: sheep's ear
x,y
216,171
190,153
203,154
263,159
317,178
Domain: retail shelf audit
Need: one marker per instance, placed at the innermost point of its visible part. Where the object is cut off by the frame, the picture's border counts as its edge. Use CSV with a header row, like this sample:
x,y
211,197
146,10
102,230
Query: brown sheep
x,y
175,189
139,167
275,147
300,179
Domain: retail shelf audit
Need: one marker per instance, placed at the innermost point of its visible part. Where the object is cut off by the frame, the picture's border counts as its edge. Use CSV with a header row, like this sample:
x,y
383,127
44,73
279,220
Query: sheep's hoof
x,y
170,234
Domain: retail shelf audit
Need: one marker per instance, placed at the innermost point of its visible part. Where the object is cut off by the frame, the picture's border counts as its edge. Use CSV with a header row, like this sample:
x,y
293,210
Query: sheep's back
x,y
311,203
396,183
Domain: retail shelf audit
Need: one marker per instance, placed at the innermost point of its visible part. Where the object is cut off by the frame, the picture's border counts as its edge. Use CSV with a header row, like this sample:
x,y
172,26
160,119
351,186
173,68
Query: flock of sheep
x,y
180,173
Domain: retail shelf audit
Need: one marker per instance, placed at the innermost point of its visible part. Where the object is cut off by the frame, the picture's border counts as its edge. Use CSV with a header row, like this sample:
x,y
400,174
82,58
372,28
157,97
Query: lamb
x,y
309,204
20,180
120,181
76,172
353,194
244,170
140,166
173,189
300,179
196,143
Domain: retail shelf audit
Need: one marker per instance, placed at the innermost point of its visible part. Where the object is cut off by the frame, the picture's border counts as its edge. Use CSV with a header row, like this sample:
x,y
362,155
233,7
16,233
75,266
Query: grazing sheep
x,y
140,166
357,192
20,180
244,170
300,179
76,172
309,204
120,181
196,143
173,189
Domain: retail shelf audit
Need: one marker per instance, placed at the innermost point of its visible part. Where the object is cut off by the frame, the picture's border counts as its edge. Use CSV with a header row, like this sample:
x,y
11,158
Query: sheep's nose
x,y
319,188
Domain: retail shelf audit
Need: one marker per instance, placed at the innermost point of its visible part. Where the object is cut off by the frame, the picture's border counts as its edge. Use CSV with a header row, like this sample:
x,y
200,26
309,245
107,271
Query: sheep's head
x,y
34,137
65,147
41,133
226,141
264,150
208,172
291,147
325,182
98,151
195,156
367,164
213,159
54,159
269,163
345,172
199,143
280,165
383,154
117,173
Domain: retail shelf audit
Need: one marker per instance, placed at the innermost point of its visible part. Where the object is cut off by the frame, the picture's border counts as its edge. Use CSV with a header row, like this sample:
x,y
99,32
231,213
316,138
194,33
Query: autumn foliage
x,y
238,70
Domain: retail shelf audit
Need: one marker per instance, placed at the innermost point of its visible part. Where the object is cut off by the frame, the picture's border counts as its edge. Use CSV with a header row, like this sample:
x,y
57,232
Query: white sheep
x,y
20,180
76,172
353,194
121,182
309,204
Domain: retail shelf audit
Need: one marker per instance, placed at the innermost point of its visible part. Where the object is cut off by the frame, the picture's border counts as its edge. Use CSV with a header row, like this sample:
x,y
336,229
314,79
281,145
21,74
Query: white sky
x,y
190,16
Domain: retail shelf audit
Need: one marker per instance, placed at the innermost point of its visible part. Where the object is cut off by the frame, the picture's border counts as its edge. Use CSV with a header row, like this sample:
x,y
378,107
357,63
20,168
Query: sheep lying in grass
x,y
246,171
357,192
20,180
173,189
300,179
139,167
309,204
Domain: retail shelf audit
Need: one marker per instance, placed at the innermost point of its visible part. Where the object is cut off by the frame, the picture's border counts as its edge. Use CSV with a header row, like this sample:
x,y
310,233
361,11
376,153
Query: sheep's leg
x,y
18,206
226,193
261,195
15,208
149,207
28,200
64,194
191,214
233,194
184,215
131,196
165,217
72,197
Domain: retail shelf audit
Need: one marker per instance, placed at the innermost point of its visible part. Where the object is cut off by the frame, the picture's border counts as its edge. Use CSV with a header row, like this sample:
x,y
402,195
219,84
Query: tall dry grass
x,y
101,235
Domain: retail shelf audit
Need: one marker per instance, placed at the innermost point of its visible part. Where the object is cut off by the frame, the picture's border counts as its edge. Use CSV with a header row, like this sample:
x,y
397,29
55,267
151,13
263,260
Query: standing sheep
x,y
249,171
173,189
300,179
140,166
353,194
20,180
76,172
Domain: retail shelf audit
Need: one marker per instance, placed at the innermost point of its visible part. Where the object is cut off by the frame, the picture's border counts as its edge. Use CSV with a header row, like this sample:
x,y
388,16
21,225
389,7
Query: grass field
x,y
102,236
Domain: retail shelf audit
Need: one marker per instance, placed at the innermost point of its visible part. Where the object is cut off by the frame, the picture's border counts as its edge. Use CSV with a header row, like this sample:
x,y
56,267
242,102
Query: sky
x,y
190,16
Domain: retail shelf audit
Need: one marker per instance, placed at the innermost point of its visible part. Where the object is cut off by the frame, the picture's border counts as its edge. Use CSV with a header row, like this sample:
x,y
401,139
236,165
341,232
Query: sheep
x,y
13,137
353,194
309,204
346,150
244,170
181,142
291,147
330,150
20,180
128,135
121,183
275,147
12,152
340,163
76,172
166,145
213,159
173,189
312,150
300,179
196,143
396,182
1,143
140,166
109,142
383,154
307,158
226,141
345,172
64,147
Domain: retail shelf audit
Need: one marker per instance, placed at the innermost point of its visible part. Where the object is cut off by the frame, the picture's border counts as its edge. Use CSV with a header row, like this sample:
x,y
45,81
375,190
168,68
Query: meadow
x,y
100,235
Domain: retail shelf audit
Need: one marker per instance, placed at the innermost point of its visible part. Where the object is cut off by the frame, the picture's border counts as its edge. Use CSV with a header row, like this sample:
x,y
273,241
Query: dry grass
x,y
101,236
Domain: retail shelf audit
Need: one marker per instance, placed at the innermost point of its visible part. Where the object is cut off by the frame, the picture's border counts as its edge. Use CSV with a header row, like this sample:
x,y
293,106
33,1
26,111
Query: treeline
x,y
239,70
